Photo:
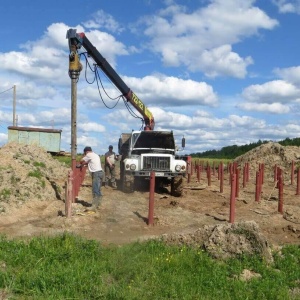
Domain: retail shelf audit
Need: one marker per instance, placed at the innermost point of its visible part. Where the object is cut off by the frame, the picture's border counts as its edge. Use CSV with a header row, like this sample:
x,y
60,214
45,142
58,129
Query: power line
x,y
6,90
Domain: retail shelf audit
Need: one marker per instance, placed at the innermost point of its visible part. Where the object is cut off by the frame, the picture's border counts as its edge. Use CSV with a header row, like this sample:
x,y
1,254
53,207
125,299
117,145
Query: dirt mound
x,y
223,241
271,154
28,172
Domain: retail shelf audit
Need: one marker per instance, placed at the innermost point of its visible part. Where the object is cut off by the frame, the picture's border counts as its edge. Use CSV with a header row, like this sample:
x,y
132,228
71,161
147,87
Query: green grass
x,y
67,160
5,194
211,161
39,164
69,267
35,173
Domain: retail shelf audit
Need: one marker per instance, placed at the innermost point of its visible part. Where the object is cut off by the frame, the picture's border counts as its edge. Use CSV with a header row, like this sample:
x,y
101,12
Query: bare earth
x,y
29,209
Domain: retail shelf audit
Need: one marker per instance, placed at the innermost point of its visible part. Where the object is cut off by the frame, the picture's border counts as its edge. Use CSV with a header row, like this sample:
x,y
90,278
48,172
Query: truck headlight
x,y
132,167
177,168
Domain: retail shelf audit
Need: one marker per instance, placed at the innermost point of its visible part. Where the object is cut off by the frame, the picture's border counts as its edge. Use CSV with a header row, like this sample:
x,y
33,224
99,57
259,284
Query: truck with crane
x,y
144,151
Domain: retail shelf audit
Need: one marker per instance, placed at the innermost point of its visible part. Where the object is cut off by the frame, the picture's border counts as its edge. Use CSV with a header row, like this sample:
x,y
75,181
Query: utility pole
x,y
73,121
14,107
74,71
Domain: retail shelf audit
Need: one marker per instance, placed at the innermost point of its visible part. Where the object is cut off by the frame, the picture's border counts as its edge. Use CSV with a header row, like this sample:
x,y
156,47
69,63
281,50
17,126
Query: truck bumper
x,y
157,174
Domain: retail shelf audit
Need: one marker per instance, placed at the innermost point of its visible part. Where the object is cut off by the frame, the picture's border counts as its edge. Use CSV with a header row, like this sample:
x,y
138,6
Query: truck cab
x,y
146,151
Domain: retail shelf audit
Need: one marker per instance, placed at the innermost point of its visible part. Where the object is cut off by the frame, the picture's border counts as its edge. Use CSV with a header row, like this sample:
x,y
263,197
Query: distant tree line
x,y
231,152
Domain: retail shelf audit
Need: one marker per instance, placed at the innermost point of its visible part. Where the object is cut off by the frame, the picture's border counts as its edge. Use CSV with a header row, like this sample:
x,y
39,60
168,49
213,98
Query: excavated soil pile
x,y
271,154
223,241
28,173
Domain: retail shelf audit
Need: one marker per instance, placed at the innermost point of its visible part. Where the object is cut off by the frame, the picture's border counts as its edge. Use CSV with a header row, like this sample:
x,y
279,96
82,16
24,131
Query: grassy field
x,y
69,267
67,160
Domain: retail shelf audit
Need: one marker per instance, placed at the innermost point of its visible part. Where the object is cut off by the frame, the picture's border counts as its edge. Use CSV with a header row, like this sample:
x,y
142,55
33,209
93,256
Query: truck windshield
x,y
153,139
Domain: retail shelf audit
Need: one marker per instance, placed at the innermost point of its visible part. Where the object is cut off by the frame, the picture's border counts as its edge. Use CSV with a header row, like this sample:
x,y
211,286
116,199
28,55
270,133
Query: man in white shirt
x,y
92,160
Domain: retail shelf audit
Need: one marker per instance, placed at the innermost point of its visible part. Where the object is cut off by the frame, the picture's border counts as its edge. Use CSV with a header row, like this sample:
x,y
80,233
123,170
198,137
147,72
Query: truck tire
x,y
128,184
177,186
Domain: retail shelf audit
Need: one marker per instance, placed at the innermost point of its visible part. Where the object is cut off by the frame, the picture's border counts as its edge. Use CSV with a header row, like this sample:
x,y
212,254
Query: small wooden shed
x,y
49,139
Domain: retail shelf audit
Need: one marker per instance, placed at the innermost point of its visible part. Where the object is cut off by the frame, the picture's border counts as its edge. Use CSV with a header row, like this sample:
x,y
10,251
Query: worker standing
x,y
92,160
110,171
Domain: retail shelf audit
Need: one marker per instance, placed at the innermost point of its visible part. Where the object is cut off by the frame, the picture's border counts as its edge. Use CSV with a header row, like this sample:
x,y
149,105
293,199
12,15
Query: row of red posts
x,y
234,176
76,177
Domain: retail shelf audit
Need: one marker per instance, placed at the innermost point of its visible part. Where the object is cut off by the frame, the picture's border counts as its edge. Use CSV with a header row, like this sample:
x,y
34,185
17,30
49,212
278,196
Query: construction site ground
x,y
123,218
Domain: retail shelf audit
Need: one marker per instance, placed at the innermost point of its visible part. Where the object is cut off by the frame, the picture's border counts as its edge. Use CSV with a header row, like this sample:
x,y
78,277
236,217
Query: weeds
x,y
5,194
69,267
38,174
39,164
14,179
35,173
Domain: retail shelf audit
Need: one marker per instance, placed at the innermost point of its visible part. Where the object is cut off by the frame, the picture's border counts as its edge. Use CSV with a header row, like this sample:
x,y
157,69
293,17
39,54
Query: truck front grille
x,y
156,163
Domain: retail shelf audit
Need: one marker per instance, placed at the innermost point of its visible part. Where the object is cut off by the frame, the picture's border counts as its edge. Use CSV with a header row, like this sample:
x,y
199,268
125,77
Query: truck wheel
x,y
127,183
177,186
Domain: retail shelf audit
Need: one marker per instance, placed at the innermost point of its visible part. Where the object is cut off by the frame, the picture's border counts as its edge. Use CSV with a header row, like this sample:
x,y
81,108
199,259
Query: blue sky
x,y
216,72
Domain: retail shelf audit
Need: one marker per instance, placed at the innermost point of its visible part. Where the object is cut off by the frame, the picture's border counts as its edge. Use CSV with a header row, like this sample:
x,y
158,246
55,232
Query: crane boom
x,y
78,40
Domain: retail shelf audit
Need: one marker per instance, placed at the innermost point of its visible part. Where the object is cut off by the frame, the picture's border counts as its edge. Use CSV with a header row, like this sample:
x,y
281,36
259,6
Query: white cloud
x,y
190,39
274,108
6,117
172,91
110,47
246,121
223,61
101,19
46,59
271,92
86,141
288,6
153,90
91,127
3,138
293,128
291,74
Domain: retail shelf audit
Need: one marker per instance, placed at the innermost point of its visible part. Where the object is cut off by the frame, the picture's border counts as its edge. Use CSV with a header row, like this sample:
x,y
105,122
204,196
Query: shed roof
x,y
35,129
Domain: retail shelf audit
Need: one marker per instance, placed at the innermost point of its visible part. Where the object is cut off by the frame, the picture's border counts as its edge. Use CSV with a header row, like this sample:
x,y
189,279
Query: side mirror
x,y
183,142
120,145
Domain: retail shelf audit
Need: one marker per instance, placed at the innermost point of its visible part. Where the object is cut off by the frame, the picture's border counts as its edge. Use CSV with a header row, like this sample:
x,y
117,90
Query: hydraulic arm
x,y
78,40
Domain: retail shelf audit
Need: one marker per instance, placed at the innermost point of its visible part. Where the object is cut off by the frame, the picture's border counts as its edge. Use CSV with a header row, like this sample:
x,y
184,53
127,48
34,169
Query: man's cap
x,y
110,146
87,148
